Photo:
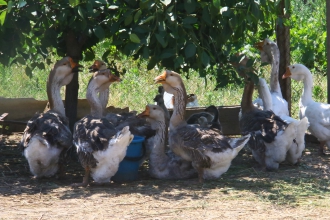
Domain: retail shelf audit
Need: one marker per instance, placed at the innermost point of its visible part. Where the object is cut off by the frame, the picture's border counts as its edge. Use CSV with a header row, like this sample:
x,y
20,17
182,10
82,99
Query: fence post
x,y
328,48
283,42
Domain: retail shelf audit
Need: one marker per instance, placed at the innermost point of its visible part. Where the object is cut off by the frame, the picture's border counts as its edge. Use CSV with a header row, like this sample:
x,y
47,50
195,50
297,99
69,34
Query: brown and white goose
x,y
47,135
138,126
271,136
210,152
100,146
162,165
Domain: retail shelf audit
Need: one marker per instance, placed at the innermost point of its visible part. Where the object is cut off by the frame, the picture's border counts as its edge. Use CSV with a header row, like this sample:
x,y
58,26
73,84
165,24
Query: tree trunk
x,y
283,42
74,50
328,48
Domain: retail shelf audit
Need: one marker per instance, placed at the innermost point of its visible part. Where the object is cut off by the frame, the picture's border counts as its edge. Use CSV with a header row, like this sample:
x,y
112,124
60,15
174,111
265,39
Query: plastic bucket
x,y
129,167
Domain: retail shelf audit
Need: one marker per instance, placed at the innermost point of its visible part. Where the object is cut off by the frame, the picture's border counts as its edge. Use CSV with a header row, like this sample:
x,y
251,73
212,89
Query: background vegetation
x,y
308,32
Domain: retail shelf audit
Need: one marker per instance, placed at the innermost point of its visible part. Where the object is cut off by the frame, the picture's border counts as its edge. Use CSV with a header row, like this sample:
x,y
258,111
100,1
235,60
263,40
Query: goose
x,y
271,137
210,152
159,100
104,90
318,113
47,135
270,54
208,118
192,100
162,165
100,146
138,126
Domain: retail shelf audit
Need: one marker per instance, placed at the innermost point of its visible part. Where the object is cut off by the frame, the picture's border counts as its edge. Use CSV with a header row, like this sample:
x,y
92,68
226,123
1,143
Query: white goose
x,y
47,135
318,114
270,53
100,147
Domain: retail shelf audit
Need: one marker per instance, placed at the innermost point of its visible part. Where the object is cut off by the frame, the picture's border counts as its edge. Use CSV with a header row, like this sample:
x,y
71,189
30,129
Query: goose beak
x,y
287,73
114,78
161,78
259,45
72,63
145,113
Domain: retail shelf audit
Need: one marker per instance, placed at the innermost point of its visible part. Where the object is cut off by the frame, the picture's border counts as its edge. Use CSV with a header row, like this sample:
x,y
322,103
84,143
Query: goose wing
x,y
52,127
92,134
195,141
264,124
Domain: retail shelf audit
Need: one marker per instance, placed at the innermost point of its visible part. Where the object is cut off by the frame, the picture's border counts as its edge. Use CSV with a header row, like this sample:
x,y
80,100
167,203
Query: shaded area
x,y
290,185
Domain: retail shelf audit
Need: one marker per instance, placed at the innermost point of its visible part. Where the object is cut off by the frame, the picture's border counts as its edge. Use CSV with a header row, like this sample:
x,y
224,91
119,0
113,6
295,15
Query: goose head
x,y
153,113
63,71
169,78
98,65
265,47
296,72
105,76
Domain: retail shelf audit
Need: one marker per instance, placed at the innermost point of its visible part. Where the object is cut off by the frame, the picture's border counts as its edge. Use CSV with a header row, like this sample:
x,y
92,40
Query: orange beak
x,y
287,73
161,78
72,63
259,45
145,113
114,78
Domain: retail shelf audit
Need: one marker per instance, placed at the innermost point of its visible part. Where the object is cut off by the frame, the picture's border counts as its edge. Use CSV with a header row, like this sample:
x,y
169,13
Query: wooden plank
x,y
228,116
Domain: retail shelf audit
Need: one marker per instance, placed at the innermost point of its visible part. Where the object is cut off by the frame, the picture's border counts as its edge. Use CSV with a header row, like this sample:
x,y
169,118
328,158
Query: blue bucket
x,y
128,168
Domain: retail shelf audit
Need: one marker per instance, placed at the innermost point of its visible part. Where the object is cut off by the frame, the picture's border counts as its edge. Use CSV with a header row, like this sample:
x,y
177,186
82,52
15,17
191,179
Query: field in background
x,y
137,88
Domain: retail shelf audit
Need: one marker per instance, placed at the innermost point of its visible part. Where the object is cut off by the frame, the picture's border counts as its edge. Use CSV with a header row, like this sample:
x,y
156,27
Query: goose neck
x,y
179,108
93,100
54,95
275,62
306,97
246,103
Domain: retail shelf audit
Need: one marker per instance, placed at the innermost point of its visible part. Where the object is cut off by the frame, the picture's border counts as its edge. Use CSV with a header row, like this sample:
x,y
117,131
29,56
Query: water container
x,y
128,168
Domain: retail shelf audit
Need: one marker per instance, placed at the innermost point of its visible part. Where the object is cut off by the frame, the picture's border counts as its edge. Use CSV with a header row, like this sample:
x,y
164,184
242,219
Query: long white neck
x,y
306,97
54,95
93,100
265,94
179,108
158,157
274,81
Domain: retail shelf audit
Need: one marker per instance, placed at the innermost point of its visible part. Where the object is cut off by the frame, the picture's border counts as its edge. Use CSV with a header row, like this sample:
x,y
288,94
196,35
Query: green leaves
x,y
21,3
190,50
166,2
74,3
3,17
99,32
134,38
190,6
2,2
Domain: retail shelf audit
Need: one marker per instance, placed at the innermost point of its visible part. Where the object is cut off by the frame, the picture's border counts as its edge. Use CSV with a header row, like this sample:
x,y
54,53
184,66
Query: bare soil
x,y
244,192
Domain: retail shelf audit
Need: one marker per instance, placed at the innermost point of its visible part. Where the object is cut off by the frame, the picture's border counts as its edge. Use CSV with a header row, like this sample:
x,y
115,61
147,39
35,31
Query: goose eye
x,y
171,74
292,67
267,43
154,108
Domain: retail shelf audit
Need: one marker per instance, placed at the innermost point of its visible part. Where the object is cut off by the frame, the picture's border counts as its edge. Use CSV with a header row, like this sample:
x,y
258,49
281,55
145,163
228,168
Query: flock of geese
x,y
176,148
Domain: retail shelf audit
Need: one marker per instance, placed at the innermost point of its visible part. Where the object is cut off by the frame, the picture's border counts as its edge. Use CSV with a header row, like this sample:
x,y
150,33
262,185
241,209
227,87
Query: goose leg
x,y
200,174
321,148
85,179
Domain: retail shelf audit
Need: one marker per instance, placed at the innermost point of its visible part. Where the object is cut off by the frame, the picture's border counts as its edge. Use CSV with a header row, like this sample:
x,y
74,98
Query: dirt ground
x,y
244,192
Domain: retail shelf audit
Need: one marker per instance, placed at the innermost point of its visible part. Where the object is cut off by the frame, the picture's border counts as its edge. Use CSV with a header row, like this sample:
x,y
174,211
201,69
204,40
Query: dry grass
x,y
244,192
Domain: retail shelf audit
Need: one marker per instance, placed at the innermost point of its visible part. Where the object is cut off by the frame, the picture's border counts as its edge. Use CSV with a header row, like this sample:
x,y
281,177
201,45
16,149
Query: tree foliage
x,y
175,34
